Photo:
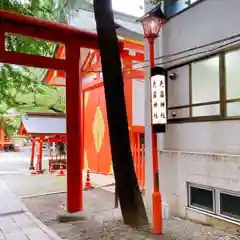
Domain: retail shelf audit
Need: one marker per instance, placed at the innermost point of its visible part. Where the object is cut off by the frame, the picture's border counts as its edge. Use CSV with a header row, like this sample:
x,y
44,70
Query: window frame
x,y
216,200
231,193
232,100
181,11
198,186
222,88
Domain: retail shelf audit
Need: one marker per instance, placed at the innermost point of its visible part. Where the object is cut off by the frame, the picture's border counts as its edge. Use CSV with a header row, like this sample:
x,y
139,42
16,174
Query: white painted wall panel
x,y
137,103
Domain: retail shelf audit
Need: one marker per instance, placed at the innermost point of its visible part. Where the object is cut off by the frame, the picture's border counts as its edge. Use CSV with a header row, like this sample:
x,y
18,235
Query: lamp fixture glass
x,y
151,26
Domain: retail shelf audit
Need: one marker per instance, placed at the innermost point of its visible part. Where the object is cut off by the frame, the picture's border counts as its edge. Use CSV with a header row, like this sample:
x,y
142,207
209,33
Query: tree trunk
x,y
116,197
130,198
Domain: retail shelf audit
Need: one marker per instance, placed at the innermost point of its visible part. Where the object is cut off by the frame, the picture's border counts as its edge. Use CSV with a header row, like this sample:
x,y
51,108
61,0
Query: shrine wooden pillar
x,y
74,147
82,127
40,154
31,167
39,159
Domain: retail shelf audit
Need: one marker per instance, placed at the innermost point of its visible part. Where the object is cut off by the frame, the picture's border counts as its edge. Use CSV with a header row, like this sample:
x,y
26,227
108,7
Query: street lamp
x,y
152,22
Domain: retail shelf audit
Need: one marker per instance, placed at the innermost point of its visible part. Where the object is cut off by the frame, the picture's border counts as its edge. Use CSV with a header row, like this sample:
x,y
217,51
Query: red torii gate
x,y
73,39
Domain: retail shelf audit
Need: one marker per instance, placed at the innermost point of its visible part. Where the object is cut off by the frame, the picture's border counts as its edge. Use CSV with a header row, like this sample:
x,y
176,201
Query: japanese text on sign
x,y
159,113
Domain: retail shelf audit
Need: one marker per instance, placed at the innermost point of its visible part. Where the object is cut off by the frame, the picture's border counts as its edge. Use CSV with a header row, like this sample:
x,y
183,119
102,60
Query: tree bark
x,y
131,202
116,197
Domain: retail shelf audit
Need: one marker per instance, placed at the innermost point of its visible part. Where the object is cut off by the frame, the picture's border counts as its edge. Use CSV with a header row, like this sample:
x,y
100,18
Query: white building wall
x,y
201,24
221,171
138,103
205,152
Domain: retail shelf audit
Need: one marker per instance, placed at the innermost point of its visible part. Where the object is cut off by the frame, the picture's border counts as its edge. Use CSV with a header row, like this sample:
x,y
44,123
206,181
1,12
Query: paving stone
x,y
2,236
32,230
8,225
23,220
41,236
16,236
8,203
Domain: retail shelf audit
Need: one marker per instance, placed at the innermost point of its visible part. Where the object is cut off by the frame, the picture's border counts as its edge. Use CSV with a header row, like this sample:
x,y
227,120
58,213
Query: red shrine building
x,y
97,150
40,128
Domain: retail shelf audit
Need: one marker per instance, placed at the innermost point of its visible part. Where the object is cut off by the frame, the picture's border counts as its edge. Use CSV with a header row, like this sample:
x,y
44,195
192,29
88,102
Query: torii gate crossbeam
x,y
73,39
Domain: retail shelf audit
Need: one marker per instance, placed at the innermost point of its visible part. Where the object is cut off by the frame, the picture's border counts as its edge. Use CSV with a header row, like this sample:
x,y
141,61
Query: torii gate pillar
x,y
75,153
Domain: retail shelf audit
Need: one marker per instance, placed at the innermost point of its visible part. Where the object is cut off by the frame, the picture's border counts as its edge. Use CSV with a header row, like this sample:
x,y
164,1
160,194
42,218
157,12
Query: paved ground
x,y
17,223
99,220
14,172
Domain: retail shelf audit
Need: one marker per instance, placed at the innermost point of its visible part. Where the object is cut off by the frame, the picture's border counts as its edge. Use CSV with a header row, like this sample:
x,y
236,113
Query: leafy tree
x,y
155,2
21,87
7,125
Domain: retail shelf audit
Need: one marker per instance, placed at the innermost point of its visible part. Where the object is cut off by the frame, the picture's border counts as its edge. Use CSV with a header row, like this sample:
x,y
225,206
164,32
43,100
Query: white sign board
x,y
159,108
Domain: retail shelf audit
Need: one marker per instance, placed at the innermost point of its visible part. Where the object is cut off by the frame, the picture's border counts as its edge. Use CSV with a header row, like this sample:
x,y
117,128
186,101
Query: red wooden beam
x,y
89,63
46,114
2,42
60,51
93,68
29,30
58,85
31,60
136,45
136,57
56,139
61,74
22,130
86,59
93,85
48,30
137,74
42,135
48,76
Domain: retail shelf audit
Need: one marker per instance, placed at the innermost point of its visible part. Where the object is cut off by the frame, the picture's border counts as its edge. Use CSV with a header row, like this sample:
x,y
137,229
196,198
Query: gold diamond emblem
x,y
98,129
86,97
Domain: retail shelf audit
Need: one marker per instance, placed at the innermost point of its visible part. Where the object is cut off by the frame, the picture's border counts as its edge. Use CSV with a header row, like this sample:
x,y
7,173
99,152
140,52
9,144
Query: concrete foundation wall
x,y
177,168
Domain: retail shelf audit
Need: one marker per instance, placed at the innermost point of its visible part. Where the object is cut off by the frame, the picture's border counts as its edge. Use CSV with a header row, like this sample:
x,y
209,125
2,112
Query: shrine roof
x,y
84,19
43,124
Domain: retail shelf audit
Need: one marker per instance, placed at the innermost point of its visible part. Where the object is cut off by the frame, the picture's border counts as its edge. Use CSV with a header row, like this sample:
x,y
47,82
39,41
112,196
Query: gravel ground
x,y
101,221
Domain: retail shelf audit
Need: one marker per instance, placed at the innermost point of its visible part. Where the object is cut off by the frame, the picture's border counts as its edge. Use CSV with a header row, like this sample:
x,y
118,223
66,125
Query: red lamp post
x,y
151,26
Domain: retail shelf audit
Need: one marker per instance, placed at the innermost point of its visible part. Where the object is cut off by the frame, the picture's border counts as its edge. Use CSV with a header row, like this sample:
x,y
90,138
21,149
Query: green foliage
x,y
21,87
155,2
9,126
15,80
63,8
